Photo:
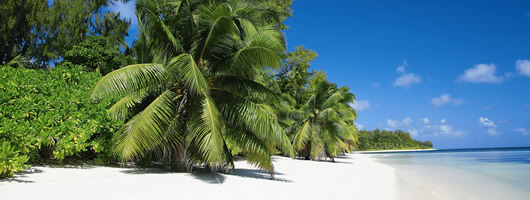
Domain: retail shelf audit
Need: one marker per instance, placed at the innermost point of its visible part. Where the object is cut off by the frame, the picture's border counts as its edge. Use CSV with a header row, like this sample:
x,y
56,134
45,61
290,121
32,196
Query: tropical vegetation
x,y
387,140
46,116
204,81
200,92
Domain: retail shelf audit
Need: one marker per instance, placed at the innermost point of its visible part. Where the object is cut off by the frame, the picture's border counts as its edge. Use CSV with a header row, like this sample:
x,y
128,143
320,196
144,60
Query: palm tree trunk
x,y
14,32
181,160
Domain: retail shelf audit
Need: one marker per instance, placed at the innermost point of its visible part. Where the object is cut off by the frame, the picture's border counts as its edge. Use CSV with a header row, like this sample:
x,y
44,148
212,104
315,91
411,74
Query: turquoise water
x,y
502,173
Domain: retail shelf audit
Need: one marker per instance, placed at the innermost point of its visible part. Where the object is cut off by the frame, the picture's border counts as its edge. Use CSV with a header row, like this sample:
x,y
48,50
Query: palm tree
x,y
323,124
200,90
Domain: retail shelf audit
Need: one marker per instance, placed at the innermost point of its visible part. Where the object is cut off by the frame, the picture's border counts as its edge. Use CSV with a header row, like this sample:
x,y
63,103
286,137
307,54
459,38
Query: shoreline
x,y
395,151
352,176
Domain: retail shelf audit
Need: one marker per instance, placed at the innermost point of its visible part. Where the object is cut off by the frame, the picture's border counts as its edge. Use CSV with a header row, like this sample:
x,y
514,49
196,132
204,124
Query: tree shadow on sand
x,y
150,170
257,174
20,177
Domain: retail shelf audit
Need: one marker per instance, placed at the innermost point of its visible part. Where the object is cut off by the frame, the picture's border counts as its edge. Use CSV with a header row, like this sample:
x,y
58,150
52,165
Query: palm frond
x,y
147,129
120,110
256,150
245,88
130,79
258,119
302,136
207,127
190,73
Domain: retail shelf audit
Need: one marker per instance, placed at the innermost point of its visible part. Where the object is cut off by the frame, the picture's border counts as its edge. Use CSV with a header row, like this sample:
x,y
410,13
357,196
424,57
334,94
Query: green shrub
x,y
11,161
96,54
47,115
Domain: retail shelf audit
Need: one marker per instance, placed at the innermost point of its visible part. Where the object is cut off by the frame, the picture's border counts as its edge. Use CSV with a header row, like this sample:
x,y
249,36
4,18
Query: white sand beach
x,y
354,176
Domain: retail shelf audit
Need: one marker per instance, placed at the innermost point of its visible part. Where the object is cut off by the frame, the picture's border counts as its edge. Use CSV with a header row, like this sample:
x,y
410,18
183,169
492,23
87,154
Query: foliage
x,y
293,77
45,115
322,124
388,140
200,93
96,53
44,32
283,8
11,161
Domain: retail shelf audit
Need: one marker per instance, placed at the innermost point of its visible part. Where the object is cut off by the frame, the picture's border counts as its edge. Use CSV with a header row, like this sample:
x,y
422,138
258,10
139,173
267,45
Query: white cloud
x,y
406,80
523,67
443,130
481,73
522,131
405,122
426,128
401,68
361,105
126,10
446,99
486,122
359,126
392,123
492,128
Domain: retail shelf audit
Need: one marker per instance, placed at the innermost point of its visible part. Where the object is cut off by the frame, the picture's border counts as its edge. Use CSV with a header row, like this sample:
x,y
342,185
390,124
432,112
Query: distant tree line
x,y
388,140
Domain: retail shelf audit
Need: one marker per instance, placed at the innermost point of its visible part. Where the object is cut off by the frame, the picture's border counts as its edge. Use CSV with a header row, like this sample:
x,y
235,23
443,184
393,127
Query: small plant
x,y
11,161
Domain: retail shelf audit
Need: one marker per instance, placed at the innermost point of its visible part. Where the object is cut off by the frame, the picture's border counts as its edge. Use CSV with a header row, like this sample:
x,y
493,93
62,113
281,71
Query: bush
x,y
11,161
96,54
47,115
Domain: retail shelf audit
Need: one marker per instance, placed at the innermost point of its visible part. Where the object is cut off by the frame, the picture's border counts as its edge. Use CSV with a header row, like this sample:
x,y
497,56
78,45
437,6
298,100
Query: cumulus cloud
x,y
446,99
486,122
523,67
442,130
126,10
481,73
406,80
361,105
522,131
425,128
392,123
492,128
405,122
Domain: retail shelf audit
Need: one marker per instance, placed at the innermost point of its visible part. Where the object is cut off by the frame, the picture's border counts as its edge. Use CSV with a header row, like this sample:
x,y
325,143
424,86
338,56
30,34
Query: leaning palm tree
x,y
323,125
200,91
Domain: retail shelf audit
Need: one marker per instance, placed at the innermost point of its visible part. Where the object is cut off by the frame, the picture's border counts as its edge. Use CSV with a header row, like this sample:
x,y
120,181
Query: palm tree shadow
x,y
207,176
157,170
20,177
257,174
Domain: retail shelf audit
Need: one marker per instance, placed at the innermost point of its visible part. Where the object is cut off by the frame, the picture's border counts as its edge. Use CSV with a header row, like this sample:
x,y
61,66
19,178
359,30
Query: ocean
x,y
489,173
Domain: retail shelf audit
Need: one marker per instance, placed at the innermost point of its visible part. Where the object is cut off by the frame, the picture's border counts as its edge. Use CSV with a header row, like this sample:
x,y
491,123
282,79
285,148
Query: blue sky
x,y
456,73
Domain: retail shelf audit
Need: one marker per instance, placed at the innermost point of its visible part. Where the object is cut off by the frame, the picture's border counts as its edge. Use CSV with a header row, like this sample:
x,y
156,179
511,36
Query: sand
x,y
354,176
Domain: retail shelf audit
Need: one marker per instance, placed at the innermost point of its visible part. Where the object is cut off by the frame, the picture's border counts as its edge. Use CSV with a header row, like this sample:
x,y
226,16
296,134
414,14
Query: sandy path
x,y
354,176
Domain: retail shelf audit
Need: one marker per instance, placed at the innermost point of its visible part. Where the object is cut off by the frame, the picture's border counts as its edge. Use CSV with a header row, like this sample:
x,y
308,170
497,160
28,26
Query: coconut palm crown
x,y
323,125
200,92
